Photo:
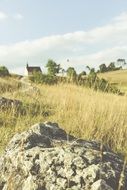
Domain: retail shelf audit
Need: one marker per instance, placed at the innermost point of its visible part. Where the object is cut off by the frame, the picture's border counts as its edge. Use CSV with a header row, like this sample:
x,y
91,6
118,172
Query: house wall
x,y
25,72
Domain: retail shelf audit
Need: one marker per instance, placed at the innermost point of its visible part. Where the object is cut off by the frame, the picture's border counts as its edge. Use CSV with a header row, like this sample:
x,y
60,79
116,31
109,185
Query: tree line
x,y
111,67
90,80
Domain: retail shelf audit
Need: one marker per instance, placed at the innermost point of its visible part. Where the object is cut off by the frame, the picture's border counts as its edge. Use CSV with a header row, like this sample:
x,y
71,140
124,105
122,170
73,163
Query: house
x,y
30,70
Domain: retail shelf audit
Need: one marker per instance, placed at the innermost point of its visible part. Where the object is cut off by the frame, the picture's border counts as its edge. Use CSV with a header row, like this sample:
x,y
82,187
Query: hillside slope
x,y
9,84
117,77
82,112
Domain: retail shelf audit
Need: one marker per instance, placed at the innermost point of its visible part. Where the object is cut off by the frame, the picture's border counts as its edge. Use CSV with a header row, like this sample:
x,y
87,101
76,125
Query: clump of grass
x,y
8,84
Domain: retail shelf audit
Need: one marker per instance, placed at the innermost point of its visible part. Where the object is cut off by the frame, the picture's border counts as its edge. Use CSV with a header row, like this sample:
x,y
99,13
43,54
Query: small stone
x,y
100,185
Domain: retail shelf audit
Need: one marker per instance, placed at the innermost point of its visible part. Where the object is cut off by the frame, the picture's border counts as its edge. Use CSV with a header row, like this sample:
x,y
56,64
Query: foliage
x,y
91,70
52,67
43,78
111,67
71,74
4,71
36,77
88,67
103,68
81,75
91,78
49,79
93,81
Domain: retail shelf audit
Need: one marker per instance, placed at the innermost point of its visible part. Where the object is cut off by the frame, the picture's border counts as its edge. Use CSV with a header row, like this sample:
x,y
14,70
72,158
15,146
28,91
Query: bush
x,y
93,81
71,74
49,79
44,79
4,71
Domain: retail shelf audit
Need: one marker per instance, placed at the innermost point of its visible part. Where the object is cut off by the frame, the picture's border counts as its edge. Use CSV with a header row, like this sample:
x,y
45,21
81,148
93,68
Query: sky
x,y
87,32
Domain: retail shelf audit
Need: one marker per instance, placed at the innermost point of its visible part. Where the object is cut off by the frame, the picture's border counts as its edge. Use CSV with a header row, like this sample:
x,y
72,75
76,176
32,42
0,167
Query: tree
x,y
91,70
88,67
71,74
82,74
121,62
92,77
111,66
103,68
53,68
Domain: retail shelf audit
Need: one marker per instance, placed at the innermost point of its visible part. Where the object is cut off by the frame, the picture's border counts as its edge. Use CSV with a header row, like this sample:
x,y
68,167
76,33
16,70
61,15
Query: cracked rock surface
x,y
46,158
6,103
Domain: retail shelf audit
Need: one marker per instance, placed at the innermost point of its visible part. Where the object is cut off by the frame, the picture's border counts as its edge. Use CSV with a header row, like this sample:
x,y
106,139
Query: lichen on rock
x,y
43,158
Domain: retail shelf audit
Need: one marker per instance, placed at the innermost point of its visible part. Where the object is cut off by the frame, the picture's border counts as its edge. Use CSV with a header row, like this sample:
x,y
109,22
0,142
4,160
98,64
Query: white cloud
x,y
121,17
18,16
3,16
102,44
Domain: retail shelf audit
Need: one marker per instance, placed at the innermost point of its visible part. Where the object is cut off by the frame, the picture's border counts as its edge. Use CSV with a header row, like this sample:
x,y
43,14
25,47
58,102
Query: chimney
x,y
27,65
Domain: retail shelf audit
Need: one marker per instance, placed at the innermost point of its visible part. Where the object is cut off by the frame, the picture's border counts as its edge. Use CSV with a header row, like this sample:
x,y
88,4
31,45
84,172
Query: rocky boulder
x,y
6,103
46,158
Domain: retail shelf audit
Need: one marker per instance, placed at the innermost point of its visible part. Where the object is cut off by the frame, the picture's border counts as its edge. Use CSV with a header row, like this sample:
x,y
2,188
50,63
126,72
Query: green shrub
x,y
71,74
93,81
49,79
3,71
44,79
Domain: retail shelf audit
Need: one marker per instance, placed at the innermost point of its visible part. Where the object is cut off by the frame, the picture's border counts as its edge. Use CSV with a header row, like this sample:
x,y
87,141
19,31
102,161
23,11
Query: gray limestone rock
x,y
42,158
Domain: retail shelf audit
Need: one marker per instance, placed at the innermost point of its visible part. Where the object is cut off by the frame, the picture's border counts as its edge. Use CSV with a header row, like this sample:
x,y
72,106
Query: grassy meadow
x,y
119,78
82,112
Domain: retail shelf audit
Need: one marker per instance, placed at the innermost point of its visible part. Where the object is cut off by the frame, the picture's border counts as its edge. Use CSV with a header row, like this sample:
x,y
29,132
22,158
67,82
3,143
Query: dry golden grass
x,y
118,77
8,84
82,112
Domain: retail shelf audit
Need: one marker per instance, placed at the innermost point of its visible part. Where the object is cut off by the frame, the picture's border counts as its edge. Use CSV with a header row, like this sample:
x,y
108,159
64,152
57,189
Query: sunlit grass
x,y
82,112
118,77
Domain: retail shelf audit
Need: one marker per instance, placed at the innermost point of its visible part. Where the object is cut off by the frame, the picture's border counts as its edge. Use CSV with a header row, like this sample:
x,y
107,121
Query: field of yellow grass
x,y
117,77
80,111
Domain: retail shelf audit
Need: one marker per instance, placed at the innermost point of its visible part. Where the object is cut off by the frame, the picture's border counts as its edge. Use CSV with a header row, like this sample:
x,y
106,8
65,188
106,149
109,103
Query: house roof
x,y
33,69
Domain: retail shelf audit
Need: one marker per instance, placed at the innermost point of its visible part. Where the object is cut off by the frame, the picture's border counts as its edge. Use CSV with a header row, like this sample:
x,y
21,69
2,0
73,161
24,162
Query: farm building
x,y
30,70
